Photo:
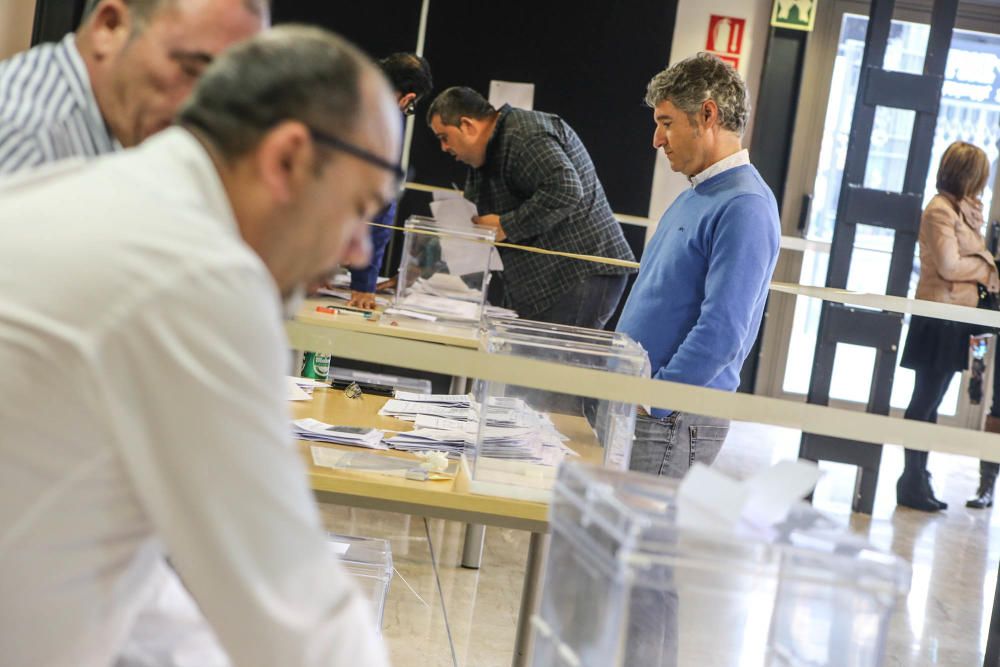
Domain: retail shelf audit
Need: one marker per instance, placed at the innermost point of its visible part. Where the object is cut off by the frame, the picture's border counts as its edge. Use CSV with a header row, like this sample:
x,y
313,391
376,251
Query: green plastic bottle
x,y
315,366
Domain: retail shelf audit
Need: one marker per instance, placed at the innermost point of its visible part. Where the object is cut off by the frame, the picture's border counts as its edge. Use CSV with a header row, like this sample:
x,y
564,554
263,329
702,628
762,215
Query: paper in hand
x,y
458,213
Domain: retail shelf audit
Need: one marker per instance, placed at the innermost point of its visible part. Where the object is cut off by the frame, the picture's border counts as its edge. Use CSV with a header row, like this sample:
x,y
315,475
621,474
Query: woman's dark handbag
x,y
988,300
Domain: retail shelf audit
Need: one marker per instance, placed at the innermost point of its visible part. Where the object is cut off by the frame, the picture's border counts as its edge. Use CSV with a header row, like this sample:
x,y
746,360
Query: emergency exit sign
x,y
794,14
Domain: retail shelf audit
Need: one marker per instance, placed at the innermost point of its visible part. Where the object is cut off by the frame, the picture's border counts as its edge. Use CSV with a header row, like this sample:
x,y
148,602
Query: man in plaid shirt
x,y
534,183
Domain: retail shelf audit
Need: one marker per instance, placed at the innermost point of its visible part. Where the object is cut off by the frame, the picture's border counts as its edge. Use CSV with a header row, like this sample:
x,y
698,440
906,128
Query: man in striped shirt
x,y
117,80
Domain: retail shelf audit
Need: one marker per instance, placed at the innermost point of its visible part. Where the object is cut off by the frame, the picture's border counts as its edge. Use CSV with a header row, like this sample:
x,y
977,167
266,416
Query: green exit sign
x,y
795,14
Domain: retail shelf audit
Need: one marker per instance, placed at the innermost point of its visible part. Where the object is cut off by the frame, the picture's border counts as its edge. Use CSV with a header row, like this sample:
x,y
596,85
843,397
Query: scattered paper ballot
x,y
402,312
293,392
313,429
451,442
301,389
339,548
497,311
408,410
441,307
442,424
450,400
308,384
446,284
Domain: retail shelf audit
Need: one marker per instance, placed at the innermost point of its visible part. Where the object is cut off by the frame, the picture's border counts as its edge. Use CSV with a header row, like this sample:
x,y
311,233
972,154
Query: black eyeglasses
x,y
358,152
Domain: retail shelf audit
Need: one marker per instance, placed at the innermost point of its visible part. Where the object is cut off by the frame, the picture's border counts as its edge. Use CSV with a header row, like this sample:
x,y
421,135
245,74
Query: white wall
x,y
16,17
690,33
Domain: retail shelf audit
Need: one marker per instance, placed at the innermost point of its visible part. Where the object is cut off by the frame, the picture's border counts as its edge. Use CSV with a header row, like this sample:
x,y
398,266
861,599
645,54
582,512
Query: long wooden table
x,y
444,499
386,325
462,337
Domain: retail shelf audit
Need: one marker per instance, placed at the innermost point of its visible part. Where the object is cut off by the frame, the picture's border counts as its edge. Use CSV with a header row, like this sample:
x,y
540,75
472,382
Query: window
x,y
970,111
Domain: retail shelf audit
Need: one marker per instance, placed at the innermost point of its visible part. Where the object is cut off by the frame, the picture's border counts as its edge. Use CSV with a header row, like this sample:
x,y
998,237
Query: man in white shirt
x,y
154,279
117,80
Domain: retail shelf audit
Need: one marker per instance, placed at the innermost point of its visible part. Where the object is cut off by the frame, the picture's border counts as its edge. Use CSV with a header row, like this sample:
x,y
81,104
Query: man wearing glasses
x,y
119,79
410,76
156,275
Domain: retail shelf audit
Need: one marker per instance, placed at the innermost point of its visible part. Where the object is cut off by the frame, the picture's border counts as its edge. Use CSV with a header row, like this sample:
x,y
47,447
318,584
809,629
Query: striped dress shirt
x,y
47,109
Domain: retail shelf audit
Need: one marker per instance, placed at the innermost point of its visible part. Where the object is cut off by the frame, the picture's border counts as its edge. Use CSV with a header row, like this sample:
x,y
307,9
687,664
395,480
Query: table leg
x,y
992,657
472,549
538,546
459,385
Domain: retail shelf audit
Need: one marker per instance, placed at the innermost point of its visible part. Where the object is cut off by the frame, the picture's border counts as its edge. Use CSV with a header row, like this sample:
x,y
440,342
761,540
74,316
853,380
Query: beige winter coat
x,y
953,254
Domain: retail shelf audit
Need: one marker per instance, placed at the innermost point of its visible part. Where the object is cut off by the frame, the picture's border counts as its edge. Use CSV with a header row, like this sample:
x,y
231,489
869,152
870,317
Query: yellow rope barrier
x,y
514,246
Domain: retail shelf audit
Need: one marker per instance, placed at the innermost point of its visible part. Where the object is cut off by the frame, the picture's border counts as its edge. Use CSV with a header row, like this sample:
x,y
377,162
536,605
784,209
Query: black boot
x,y
913,489
987,480
942,505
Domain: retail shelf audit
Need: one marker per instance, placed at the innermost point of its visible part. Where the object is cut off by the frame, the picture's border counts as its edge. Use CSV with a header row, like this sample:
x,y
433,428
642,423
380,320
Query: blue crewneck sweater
x,y
697,303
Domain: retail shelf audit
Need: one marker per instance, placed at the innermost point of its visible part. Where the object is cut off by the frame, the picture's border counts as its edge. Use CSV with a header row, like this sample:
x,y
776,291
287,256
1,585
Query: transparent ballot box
x,y
369,562
443,273
625,585
522,434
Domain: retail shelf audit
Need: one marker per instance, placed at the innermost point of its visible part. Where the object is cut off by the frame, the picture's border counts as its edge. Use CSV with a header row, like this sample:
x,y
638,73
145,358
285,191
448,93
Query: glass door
x,y
970,111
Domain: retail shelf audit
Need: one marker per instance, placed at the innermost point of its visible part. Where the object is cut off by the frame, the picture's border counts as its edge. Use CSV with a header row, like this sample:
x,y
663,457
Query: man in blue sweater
x,y
698,300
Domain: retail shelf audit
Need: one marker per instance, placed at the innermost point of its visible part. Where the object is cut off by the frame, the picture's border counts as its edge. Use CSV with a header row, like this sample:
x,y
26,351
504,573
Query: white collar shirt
x,y
737,159
143,413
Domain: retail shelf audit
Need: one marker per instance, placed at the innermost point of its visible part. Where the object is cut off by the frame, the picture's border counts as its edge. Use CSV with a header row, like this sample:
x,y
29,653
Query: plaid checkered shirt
x,y
540,180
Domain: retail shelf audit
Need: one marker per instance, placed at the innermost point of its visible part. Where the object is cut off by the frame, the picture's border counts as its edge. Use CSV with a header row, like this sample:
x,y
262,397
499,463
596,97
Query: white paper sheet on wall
x,y
514,93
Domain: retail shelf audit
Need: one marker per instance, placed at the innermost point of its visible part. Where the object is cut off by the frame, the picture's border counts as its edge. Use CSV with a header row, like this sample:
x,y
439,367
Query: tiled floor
x,y
942,622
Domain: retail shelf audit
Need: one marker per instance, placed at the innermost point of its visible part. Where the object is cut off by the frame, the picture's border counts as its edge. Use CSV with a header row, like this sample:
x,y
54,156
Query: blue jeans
x,y
669,446
666,446
590,304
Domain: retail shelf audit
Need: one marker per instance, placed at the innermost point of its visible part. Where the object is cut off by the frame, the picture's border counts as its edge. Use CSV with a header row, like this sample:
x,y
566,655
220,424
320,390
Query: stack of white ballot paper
x,y
407,405
442,296
498,311
440,307
450,423
315,430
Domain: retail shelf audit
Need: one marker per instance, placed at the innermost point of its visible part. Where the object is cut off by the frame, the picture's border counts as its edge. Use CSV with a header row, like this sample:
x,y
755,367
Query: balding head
x,y
142,10
143,57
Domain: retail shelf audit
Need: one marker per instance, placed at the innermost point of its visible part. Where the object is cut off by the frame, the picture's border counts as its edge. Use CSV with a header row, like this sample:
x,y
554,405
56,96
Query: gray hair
x,y
692,81
291,72
142,10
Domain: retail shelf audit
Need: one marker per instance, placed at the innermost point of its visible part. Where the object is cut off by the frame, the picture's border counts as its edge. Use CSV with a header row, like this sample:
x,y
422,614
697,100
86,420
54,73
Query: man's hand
x,y
387,285
363,300
491,221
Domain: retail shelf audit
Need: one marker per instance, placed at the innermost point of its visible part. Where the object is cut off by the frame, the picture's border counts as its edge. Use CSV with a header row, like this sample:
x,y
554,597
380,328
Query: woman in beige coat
x,y
956,268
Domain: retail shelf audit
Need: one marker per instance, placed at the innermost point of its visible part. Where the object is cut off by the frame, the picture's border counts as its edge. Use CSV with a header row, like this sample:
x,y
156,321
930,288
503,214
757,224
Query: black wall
x,y
54,19
589,64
